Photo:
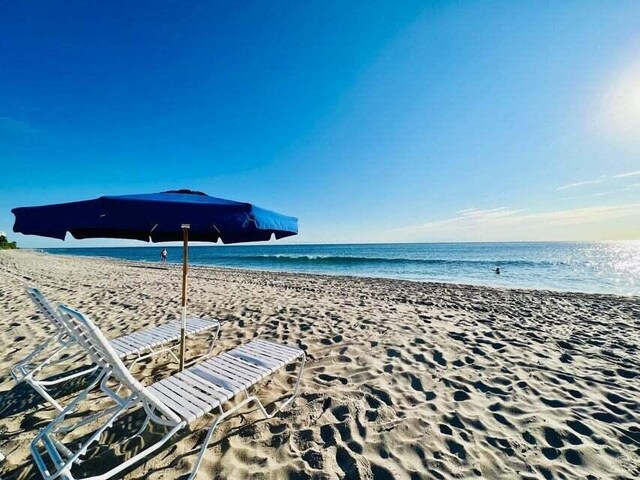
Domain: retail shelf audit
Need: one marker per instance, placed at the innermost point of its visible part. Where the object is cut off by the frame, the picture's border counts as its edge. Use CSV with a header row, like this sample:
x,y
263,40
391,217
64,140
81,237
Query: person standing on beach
x,y
163,255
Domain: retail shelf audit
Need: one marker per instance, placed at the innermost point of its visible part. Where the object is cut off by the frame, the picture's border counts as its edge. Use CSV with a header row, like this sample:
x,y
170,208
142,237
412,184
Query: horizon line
x,y
274,244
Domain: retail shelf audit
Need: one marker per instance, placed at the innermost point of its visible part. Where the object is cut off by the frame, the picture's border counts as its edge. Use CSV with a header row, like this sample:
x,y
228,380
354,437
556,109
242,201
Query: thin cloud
x,y
490,213
628,174
504,223
579,184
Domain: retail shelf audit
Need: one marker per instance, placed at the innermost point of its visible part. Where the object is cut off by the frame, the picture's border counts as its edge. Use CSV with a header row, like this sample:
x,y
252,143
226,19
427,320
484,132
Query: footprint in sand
x,y
574,457
551,453
501,444
313,459
460,396
445,429
327,433
457,449
553,438
439,358
381,395
330,378
341,412
347,463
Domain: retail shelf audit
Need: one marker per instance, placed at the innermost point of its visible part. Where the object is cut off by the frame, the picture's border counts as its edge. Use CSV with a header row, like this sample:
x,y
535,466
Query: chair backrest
x,y
45,307
91,338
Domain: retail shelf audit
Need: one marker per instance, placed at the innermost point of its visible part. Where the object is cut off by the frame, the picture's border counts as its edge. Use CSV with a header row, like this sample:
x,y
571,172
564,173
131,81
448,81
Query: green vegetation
x,y
6,244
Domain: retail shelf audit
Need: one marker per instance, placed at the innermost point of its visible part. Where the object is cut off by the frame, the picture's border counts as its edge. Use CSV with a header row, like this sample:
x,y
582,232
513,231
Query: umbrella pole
x,y
185,271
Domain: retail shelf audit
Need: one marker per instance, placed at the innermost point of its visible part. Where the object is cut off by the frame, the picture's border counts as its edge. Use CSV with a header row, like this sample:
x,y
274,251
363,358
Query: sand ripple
x,y
404,380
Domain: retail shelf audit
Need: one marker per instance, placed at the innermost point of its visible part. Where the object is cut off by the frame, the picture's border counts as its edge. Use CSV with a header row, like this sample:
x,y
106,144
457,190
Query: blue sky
x,y
370,121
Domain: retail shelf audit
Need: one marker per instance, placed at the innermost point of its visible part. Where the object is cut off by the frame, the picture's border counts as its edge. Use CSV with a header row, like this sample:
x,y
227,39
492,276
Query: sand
x,y
404,380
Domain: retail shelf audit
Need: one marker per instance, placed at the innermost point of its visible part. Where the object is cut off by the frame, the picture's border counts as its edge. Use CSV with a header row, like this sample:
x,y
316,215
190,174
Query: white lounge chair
x,y
173,402
135,346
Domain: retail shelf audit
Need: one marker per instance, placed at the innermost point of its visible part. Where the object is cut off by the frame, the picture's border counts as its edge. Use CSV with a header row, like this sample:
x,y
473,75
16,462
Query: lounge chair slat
x,y
261,355
155,336
196,324
228,376
130,349
133,343
175,406
181,400
133,340
258,369
119,348
234,363
271,353
213,377
231,369
194,396
152,337
214,389
286,348
259,349
210,401
149,338
166,334
237,374
251,358
252,350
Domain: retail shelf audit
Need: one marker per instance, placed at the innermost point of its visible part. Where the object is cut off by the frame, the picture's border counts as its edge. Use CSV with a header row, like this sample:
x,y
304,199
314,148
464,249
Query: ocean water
x,y
599,267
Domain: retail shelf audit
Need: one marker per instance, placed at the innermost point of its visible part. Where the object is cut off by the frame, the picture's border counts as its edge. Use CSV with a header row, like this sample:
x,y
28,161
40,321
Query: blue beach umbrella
x,y
158,217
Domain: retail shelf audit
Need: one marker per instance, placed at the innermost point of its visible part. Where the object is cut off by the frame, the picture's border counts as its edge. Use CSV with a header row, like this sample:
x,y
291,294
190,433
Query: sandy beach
x,y
404,380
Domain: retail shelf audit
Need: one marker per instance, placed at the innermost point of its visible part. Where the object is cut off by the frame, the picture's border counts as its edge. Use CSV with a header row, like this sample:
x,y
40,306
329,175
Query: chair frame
x,y
28,368
156,411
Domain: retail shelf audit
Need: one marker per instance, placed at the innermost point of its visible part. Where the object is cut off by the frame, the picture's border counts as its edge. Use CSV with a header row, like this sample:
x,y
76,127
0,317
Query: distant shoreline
x,y
156,265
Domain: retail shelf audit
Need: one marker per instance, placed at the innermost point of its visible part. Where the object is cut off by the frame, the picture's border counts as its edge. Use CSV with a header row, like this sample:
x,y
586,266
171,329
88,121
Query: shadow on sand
x,y
111,450
22,397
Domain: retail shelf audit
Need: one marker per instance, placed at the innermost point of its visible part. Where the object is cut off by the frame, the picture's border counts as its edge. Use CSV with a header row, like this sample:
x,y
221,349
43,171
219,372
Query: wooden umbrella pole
x,y
185,271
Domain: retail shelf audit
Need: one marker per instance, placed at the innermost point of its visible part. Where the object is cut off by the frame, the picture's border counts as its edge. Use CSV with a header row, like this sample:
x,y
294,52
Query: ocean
x,y
594,267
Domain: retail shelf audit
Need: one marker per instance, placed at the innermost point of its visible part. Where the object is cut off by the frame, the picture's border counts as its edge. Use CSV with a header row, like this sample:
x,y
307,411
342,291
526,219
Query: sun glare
x,y
620,108
636,97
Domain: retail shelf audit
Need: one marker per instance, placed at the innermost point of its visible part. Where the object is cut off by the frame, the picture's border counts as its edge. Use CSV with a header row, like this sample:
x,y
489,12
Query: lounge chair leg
x,y
246,401
81,373
36,386
174,356
37,367
142,428
27,361
88,419
214,339
295,389
207,439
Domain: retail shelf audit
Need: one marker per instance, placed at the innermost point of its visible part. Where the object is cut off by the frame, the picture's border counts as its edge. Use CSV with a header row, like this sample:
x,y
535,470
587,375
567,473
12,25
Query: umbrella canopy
x,y
156,217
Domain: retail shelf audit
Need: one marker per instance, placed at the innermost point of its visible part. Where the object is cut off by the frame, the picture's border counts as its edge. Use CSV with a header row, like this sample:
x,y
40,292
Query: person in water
x,y
163,255
497,271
